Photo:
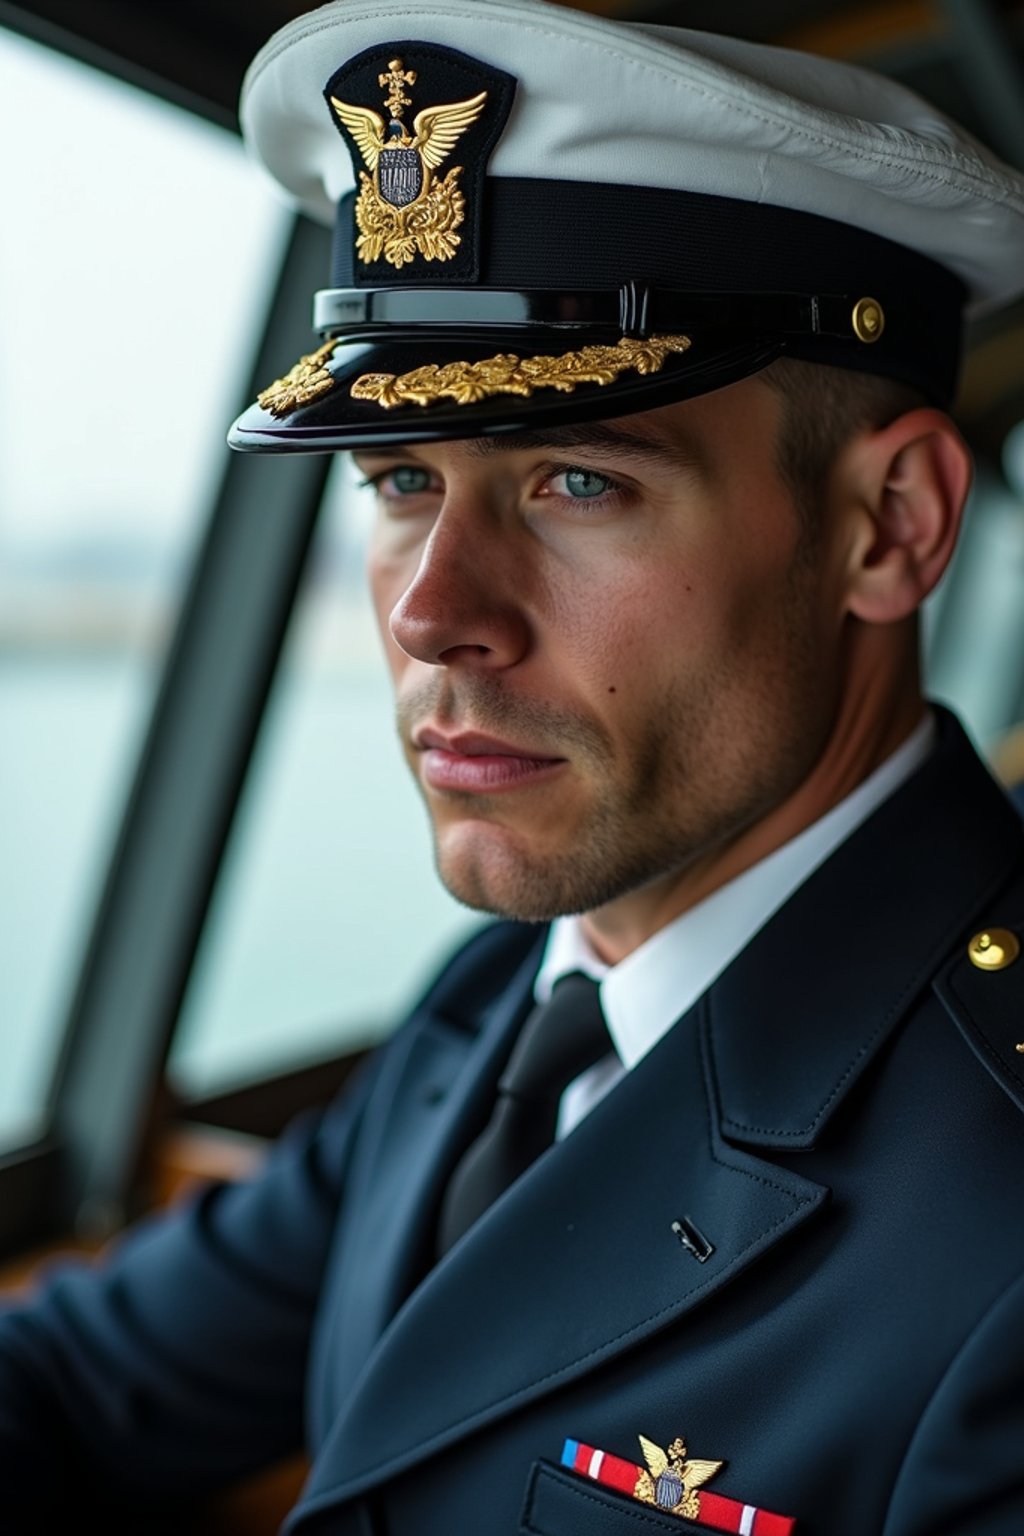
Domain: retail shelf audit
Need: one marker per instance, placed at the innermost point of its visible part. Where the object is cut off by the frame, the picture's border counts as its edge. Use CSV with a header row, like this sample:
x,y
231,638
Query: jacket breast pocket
x,y
562,1503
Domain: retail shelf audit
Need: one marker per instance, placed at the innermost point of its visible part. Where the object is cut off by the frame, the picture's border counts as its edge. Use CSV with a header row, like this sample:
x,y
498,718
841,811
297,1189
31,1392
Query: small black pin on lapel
x,y
693,1240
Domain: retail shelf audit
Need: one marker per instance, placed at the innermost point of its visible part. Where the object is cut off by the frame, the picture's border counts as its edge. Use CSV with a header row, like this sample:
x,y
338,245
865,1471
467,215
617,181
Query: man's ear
x,y
905,487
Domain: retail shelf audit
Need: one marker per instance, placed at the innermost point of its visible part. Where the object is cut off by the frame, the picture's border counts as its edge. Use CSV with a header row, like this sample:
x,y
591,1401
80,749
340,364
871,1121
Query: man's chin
x,y
490,870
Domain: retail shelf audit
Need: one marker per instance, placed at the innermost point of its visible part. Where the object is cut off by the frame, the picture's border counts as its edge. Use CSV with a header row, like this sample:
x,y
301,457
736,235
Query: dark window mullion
x,y
29,1188
198,748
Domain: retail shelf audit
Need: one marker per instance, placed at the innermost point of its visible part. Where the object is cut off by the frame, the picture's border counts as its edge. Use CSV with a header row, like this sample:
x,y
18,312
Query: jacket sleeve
x,y
963,1474
177,1363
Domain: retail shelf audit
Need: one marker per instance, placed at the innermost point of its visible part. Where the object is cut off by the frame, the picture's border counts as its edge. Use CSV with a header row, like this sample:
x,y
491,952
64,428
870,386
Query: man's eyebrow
x,y
679,451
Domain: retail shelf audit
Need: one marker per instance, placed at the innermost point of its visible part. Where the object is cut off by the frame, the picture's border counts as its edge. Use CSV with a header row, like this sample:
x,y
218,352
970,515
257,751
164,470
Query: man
x,y
645,341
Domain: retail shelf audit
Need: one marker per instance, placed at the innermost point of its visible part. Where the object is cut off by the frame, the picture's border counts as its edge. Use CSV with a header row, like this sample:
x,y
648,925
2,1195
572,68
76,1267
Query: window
x,y
134,236
974,623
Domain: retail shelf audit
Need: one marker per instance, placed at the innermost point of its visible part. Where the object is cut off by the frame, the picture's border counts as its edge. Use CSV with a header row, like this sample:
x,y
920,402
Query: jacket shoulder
x,y
982,988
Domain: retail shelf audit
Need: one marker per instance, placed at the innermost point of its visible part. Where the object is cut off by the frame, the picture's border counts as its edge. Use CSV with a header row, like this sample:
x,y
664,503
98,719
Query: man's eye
x,y
410,480
581,484
403,480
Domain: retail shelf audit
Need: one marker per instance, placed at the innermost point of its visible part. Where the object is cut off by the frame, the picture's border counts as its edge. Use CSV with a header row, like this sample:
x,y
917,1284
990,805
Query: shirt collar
x,y
644,994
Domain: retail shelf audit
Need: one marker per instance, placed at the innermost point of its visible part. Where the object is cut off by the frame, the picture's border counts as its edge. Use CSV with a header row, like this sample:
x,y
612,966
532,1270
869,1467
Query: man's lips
x,y
471,762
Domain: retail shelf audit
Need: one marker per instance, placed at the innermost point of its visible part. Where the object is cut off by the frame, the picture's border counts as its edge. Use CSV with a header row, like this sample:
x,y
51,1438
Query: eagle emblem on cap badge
x,y
672,1479
402,208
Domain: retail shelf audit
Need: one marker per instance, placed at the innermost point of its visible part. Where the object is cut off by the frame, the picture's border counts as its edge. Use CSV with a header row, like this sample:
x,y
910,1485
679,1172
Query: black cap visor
x,y
316,411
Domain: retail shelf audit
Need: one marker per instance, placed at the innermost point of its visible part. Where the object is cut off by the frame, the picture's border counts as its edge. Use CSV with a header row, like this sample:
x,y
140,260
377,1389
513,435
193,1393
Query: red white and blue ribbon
x,y
716,1511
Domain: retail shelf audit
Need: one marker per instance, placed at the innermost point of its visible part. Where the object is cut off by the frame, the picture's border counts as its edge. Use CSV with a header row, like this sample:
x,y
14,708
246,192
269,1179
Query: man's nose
x,y
461,606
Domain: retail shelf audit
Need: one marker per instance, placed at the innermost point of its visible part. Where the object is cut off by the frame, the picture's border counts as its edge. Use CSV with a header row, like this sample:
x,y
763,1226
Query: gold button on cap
x,y
868,320
993,949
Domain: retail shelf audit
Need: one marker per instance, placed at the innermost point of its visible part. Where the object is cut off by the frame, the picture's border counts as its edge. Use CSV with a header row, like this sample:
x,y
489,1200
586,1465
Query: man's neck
x,y
854,751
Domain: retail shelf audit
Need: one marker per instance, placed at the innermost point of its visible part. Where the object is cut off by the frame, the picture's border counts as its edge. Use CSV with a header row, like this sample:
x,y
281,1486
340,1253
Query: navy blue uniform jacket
x,y
840,1115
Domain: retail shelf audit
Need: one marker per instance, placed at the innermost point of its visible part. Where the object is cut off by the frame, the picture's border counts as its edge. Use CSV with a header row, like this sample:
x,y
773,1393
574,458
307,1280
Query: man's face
x,y
614,647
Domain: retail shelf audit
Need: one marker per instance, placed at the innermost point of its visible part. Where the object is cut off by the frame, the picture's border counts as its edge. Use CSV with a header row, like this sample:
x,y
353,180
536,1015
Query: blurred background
x,y
216,886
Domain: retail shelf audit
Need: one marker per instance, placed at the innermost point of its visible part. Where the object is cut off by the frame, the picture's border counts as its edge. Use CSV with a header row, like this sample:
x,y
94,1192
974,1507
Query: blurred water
x,y
70,729
328,913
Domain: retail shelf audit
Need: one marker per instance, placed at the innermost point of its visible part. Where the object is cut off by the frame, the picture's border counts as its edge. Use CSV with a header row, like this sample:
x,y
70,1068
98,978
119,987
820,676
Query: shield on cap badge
x,y
401,176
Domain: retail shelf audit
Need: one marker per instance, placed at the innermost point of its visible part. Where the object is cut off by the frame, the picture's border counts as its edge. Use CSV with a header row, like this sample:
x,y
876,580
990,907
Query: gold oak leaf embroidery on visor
x,y
507,374
401,210
301,385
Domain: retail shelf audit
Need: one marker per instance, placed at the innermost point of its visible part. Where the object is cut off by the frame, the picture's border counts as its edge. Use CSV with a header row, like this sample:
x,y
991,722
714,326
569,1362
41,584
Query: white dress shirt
x,y
651,988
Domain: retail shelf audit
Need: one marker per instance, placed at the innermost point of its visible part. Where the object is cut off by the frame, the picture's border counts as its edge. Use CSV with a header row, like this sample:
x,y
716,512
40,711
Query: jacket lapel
x,y
435,1095
578,1262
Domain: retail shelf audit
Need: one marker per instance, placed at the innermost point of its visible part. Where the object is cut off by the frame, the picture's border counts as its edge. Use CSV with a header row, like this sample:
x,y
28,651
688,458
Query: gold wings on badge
x,y
672,1478
367,128
437,130
402,210
655,1457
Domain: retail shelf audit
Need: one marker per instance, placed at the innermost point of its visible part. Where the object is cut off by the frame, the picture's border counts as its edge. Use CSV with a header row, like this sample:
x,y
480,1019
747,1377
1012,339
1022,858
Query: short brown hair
x,y
823,407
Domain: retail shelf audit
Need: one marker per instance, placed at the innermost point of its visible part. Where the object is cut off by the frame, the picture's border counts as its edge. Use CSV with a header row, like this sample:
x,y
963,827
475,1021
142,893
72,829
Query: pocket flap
x,y
562,1503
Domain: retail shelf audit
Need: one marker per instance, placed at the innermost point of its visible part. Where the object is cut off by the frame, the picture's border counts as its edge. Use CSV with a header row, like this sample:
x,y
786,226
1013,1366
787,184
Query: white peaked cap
x,y
635,215
650,106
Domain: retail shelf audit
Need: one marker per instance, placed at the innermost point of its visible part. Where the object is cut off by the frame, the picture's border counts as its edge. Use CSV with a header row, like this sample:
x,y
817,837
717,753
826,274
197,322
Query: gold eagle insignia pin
x,y
672,1478
403,210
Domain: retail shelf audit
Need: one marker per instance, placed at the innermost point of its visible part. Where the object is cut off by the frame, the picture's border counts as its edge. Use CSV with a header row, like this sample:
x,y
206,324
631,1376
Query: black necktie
x,y
559,1040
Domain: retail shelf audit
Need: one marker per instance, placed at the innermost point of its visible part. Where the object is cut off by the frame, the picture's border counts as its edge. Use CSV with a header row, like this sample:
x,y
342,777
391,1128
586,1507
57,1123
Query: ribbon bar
x,y
717,1512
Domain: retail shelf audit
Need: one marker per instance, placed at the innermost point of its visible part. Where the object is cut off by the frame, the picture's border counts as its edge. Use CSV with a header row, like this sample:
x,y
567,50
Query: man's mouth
x,y
470,762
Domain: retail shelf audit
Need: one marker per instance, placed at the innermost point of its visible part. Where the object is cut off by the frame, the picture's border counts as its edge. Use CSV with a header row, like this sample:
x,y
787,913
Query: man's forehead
x,y
663,436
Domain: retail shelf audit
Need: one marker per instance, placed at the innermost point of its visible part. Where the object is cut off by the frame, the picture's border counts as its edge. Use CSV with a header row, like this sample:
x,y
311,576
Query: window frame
x,y
186,791
84,1172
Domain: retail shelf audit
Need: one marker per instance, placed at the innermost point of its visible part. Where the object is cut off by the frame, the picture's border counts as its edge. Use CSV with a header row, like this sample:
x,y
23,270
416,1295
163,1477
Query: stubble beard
x,y
694,783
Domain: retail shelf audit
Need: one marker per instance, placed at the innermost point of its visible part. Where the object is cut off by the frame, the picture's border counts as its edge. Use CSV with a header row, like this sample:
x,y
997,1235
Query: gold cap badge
x,y
402,210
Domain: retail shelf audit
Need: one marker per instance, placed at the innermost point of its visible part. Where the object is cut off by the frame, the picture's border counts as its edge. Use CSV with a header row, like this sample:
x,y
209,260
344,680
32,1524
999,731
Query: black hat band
x,y
699,261
635,309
